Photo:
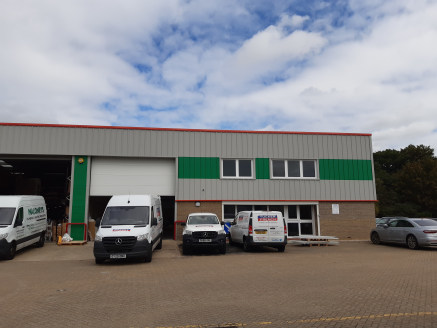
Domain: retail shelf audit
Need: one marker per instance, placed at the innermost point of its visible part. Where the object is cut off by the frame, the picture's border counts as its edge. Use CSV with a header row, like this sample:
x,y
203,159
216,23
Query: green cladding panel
x,y
199,168
262,167
345,169
79,194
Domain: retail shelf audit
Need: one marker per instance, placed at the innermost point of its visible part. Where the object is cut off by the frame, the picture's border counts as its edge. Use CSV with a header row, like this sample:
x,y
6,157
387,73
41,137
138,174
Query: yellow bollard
x,y
59,240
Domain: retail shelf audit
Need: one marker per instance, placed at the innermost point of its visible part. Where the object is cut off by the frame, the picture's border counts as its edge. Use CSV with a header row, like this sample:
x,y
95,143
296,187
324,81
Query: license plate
x,y
205,240
117,256
260,232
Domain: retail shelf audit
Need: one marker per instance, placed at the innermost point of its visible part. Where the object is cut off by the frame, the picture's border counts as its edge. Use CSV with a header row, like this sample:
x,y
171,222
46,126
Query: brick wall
x,y
185,208
354,222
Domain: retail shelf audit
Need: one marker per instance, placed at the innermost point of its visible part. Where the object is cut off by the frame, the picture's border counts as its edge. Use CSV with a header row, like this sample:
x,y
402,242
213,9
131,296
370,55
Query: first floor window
x,y
293,168
237,168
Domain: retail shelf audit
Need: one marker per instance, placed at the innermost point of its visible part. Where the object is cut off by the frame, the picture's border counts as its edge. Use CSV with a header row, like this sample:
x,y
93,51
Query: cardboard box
x,y
92,230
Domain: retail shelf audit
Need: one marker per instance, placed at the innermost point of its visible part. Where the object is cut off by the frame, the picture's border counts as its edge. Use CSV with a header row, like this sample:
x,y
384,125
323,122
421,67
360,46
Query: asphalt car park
x,y
354,284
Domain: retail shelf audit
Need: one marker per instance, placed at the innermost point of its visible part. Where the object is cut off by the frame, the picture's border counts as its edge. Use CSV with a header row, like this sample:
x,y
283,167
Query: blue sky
x,y
362,66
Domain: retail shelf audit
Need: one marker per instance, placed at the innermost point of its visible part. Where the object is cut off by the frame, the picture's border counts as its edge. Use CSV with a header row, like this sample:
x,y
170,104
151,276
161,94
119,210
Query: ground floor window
x,y
300,218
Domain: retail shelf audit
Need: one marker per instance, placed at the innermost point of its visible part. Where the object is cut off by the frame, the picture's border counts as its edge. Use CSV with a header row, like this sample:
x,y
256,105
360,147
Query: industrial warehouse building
x,y
323,183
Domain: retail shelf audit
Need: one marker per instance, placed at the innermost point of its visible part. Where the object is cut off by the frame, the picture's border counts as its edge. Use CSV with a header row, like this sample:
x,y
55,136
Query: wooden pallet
x,y
314,240
72,243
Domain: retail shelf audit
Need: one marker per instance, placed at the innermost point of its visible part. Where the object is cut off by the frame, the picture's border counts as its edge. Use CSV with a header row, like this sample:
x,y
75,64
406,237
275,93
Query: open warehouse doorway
x,y
128,176
45,176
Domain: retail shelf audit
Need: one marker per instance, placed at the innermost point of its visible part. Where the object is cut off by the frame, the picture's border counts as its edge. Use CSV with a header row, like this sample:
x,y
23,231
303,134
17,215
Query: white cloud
x,y
269,51
218,64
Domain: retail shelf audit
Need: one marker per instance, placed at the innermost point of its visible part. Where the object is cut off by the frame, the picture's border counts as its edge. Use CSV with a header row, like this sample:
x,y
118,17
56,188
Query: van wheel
x,y
99,260
186,250
42,239
148,257
246,245
11,251
281,249
159,246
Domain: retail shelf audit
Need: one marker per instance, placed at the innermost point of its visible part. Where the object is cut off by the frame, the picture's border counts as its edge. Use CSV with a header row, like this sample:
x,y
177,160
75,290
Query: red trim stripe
x,y
270,200
180,130
174,230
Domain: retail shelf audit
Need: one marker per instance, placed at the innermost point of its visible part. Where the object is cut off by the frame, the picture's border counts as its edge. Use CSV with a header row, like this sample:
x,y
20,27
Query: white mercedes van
x,y
131,227
23,222
259,228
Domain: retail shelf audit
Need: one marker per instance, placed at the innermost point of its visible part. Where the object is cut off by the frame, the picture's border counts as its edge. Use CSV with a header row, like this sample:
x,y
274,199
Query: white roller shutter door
x,y
118,176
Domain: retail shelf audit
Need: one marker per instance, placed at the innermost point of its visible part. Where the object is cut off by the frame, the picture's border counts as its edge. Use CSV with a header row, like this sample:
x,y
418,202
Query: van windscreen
x,y
126,215
6,215
203,219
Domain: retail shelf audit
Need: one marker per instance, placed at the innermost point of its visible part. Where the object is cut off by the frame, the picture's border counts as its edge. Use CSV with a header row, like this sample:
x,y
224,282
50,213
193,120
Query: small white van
x,y
131,227
23,222
259,228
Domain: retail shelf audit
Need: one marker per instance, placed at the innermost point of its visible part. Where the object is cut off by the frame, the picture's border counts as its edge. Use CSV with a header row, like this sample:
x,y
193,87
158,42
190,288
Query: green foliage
x,y
406,182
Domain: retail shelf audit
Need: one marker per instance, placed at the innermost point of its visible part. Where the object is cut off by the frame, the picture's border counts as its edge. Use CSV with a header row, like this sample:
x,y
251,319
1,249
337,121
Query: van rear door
x,y
270,227
261,228
276,228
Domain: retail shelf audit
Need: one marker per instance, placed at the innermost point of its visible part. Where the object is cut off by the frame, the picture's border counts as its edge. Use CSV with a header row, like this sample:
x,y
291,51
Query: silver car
x,y
414,233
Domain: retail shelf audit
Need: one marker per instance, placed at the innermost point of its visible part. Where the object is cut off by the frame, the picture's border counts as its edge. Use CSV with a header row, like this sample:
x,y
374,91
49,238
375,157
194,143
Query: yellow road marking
x,y
372,316
349,318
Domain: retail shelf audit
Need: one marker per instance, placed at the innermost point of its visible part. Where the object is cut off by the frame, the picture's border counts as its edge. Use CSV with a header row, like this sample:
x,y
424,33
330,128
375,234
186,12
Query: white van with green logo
x,y
23,222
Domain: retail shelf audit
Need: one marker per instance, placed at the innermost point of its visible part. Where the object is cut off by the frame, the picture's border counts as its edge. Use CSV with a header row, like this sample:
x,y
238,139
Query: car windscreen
x,y
203,219
425,222
6,215
126,215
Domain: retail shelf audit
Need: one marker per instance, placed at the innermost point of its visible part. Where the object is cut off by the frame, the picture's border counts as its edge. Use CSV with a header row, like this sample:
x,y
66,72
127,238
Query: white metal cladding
x,y
275,190
167,143
117,176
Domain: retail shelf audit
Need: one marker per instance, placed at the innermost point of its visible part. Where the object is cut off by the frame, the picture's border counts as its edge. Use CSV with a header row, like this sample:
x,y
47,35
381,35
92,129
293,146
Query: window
x,y
229,211
237,168
126,215
278,168
241,208
6,215
279,208
293,169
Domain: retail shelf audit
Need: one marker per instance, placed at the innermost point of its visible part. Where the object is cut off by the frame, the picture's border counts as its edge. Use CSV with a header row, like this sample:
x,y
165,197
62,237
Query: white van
x,y
131,227
259,228
23,222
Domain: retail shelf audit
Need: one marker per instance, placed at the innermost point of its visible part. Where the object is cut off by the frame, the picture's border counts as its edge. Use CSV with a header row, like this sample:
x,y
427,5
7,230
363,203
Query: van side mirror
x,y
98,220
154,221
233,223
222,223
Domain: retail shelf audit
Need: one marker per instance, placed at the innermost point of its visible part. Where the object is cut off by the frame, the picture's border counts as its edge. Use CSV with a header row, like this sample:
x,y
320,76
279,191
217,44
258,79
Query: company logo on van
x,y
268,218
35,210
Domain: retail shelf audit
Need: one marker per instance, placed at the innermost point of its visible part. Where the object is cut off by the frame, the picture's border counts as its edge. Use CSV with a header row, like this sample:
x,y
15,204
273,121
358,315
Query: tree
x,y
406,182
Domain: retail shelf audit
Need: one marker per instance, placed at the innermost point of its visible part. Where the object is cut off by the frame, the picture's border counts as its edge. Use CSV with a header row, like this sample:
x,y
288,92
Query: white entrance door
x,y
301,220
